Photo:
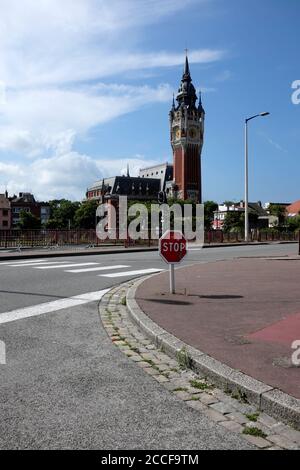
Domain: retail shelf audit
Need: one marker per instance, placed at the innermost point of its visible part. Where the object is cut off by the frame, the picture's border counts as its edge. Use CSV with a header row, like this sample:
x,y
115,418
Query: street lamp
x,y
246,173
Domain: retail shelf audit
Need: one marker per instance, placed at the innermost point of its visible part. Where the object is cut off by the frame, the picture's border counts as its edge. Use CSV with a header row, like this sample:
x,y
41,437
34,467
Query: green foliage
x,y
183,358
201,385
252,417
293,223
209,208
85,215
253,431
29,221
278,211
62,213
234,220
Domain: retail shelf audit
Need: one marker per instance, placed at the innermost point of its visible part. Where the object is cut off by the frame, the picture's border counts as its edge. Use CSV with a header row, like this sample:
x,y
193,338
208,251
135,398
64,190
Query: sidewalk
x,y
244,313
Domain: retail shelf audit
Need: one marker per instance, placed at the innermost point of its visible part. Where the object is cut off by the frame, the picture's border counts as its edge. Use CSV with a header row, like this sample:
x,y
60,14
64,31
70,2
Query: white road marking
x,y
53,306
34,265
64,265
102,268
132,273
24,261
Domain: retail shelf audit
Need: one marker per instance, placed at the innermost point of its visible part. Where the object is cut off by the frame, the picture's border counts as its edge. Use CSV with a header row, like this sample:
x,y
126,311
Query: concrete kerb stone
x,y
279,404
265,398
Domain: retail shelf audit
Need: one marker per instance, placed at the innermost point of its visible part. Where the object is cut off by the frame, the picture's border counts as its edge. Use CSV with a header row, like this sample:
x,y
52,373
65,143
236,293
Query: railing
x,y
217,236
60,238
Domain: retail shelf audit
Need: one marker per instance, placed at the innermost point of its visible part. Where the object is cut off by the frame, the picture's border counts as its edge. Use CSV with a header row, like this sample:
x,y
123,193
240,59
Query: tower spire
x,y
186,72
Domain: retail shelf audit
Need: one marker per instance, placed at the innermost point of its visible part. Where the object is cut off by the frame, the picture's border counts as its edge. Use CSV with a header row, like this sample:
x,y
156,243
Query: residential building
x,y
293,209
255,208
5,212
26,202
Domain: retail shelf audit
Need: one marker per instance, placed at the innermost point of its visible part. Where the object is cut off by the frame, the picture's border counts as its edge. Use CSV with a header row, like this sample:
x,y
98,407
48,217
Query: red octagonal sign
x,y
172,246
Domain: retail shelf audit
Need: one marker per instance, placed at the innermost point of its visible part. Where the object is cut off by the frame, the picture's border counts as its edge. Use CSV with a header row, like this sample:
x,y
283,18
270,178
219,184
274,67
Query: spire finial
x,y
128,174
187,67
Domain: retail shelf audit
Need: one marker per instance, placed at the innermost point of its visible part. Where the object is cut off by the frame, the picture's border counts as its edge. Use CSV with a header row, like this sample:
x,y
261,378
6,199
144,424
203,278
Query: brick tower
x,y
187,131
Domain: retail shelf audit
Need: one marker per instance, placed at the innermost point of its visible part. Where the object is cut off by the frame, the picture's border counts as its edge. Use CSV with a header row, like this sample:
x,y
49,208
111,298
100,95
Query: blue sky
x,y
86,87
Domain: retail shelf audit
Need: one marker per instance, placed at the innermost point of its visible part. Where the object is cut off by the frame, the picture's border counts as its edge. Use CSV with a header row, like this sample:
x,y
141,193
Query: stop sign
x,y
172,246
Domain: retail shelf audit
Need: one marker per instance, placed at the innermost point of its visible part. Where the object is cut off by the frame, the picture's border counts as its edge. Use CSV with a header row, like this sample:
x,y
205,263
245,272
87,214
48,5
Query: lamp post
x,y
246,174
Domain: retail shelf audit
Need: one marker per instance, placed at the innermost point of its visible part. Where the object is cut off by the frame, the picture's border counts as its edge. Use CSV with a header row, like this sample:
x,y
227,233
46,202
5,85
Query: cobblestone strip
x,y
229,411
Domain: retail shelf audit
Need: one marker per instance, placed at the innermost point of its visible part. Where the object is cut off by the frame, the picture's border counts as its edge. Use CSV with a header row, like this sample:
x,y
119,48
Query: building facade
x,y
5,212
25,202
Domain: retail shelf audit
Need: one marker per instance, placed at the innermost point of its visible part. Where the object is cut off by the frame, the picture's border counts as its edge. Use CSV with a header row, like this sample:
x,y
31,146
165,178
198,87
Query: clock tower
x,y
187,132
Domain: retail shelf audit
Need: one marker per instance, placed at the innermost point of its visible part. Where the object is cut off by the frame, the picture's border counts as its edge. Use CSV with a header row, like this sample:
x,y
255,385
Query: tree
x,y
62,213
293,223
209,208
278,211
28,221
234,220
85,215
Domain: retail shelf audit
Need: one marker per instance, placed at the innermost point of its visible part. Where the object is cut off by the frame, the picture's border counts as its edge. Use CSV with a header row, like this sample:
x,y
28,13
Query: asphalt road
x,y
64,384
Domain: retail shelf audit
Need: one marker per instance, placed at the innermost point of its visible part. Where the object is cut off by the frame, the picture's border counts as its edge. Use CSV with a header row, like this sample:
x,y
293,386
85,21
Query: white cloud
x,y
53,56
66,175
55,42
45,120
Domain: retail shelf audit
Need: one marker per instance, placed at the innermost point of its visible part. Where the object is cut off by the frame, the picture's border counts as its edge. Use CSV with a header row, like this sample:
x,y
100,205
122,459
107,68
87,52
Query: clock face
x,y
193,133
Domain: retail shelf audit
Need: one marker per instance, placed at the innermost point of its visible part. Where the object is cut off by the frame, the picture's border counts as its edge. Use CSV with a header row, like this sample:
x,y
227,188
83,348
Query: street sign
x,y
172,248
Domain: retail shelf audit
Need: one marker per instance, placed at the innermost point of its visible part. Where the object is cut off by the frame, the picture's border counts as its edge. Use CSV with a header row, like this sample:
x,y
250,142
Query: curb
x,y
267,399
60,254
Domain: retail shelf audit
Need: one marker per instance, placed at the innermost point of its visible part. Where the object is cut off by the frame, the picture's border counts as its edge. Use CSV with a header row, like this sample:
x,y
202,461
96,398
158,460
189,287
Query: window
x,y
5,223
5,212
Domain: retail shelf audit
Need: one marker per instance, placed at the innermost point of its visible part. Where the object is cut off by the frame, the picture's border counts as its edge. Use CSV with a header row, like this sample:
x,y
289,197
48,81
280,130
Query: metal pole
x,y
172,279
246,184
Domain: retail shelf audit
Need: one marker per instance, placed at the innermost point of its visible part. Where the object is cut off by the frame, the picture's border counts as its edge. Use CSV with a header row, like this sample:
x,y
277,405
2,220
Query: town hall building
x,y
180,180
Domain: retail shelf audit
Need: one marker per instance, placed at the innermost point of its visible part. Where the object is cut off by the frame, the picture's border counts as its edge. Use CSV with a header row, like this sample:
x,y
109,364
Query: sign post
x,y
172,248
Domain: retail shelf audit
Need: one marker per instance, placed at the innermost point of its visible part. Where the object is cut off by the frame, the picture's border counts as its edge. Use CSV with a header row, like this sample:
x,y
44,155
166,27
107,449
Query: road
x,y
65,385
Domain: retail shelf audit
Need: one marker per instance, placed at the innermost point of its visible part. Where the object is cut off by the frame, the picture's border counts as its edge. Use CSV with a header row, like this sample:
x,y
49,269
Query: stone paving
x,y
229,411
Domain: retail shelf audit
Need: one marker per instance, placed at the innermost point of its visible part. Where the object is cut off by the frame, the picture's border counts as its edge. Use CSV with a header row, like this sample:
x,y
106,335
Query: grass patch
x,y
252,417
253,431
200,385
180,389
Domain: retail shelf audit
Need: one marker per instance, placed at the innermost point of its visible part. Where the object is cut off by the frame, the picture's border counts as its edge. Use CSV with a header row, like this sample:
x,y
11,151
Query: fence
x,y
217,236
52,238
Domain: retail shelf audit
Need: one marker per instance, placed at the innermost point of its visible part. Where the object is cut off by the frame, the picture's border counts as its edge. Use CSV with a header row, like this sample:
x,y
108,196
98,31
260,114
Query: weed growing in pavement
x,y
201,385
183,358
240,396
252,417
123,301
253,431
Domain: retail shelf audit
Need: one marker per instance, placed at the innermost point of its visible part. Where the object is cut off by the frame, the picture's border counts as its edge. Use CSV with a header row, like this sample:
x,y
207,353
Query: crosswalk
x,y
107,271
